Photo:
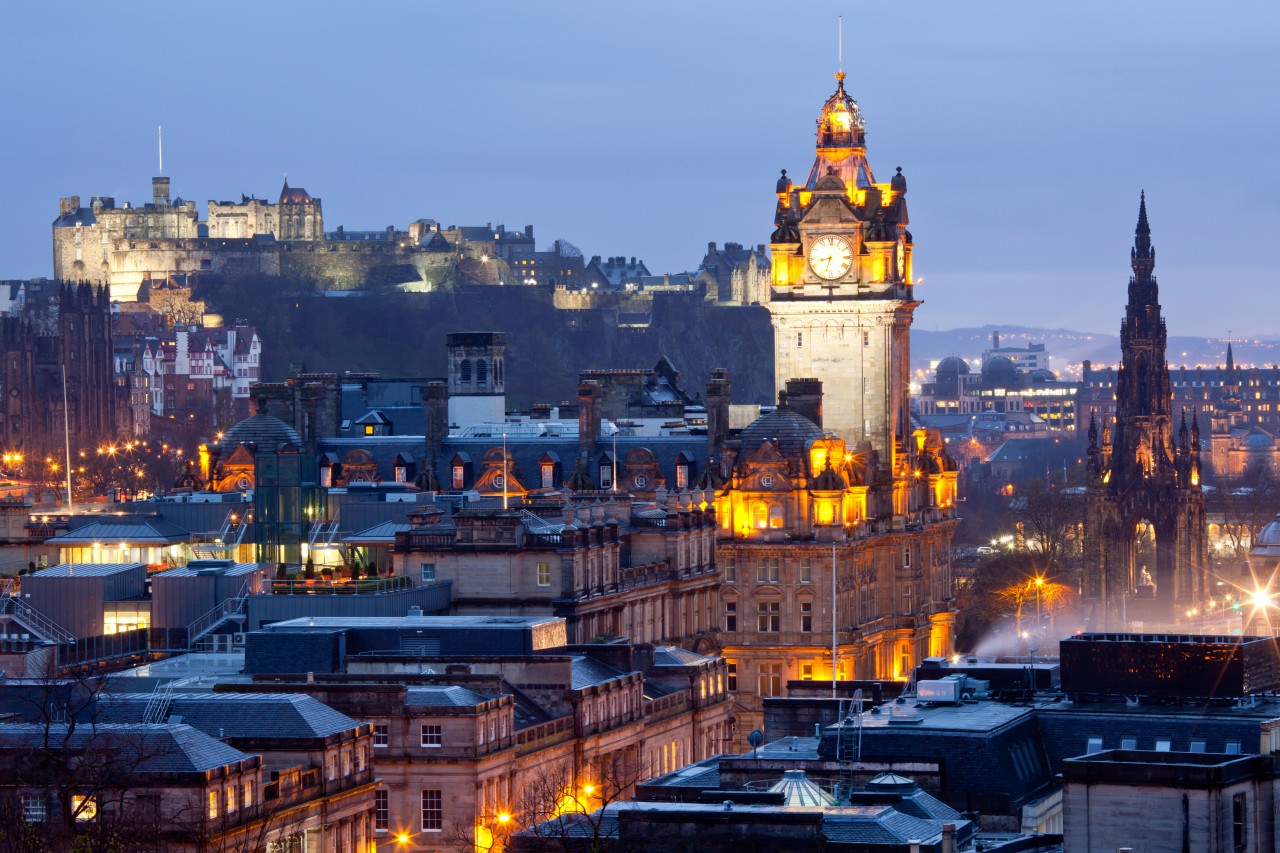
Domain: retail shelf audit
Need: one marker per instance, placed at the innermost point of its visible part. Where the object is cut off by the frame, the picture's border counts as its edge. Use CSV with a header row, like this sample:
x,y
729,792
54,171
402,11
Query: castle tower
x,y
1142,480
841,296
477,377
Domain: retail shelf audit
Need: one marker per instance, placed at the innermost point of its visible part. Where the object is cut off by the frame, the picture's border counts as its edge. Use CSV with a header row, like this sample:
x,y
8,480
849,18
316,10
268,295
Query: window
x,y
432,736
331,766
1128,743
682,476
346,762
232,805
428,572
1239,810
769,617
1163,745
1232,747
548,476
464,370
799,340
381,810
1197,746
770,679
866,339
380,738
34,808
806,570
250,793
730,569
544,574
731,616
606,477
906,556
482,370
806,671
457,476
767,570
806,616
432,811
732,668
213,804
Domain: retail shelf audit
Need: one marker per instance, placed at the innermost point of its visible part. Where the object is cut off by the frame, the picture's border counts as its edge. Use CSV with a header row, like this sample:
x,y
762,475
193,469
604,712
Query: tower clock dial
x,y
830,257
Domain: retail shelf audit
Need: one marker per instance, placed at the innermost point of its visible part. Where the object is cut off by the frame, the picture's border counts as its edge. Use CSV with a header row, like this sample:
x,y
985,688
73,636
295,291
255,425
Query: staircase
x,y
226,541
232,609
324,532
12,605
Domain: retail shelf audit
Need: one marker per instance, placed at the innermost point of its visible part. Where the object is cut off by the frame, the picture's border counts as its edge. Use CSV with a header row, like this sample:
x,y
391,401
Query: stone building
x,y
1140,473
740,273
835,511
73,335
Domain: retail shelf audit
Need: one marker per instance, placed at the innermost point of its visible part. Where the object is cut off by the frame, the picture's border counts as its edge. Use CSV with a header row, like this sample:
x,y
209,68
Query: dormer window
x,y
548,475
606,476
457,476
682,476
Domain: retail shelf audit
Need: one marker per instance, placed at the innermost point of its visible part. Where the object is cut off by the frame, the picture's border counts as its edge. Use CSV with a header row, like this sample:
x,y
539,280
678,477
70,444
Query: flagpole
x,y
833,622
504,469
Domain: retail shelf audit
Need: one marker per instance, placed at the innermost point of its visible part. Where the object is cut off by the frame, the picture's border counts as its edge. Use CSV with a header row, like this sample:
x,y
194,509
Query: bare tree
x,y
1245,504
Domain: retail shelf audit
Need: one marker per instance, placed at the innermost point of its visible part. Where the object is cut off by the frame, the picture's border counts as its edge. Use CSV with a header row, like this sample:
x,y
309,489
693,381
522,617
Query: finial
x,y
840,48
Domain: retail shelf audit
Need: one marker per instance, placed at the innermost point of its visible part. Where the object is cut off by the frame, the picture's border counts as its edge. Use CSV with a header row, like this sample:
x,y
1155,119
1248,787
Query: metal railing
x,y
11,604
221,612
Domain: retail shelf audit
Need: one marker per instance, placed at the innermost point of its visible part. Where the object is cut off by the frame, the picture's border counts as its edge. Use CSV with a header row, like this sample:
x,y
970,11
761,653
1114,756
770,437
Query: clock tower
x,y
841,295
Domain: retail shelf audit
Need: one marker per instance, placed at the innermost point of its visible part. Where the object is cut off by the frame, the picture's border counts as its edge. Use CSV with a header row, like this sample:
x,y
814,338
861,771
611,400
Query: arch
x,y
464,370
482,370
759,515
497,370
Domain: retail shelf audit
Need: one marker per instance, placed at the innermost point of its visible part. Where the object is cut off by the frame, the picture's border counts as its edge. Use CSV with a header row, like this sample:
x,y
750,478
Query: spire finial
x,y
840,47
160,147
1143,227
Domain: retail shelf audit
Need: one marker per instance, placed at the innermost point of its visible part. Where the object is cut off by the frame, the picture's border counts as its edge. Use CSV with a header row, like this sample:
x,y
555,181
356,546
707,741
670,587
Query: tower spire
x,y
1143,255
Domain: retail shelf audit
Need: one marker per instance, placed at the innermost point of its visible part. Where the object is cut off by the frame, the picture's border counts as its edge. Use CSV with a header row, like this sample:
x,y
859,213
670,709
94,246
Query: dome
x,y
1043,375
841,123
953,365
265,431
1269,535
999,368
792,431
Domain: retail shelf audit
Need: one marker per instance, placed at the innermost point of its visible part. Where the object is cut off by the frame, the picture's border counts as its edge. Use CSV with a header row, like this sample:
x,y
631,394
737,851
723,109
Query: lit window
x,y
457,476
232,805
250,793
432,736
213,804
544,574
731,668
770,681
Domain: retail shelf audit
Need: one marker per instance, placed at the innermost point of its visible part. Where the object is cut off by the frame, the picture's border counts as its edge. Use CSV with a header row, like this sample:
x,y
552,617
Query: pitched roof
x,y
237,715
436,697
588,671
144,747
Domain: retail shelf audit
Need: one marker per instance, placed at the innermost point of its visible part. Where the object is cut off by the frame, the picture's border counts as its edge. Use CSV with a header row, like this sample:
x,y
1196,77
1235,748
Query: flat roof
x,y
506,623
980,716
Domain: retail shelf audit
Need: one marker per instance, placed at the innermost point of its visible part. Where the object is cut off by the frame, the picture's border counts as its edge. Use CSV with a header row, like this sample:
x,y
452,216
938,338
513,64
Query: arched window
x,y
464,370
482,370
760,516
497,370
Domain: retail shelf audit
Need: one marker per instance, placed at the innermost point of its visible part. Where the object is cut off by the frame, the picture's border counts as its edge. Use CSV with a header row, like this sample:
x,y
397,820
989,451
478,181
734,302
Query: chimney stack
x,y
588,417
718,393
804,396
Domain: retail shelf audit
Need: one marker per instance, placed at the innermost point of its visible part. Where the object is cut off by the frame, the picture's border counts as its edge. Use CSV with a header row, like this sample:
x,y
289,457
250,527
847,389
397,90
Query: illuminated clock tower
x,y
841,296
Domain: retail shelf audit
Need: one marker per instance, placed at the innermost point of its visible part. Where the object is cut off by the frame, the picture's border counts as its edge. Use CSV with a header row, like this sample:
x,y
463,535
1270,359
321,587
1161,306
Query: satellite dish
x,y
755,739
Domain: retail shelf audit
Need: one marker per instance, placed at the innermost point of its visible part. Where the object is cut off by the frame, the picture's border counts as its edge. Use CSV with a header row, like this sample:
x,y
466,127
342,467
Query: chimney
x,y
436,399
948,844
68,205
804,396
718,392
588,417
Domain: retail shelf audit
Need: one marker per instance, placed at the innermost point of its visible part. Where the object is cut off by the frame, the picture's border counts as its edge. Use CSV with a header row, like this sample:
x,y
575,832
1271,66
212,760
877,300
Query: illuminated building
x,y
1141,475
839,479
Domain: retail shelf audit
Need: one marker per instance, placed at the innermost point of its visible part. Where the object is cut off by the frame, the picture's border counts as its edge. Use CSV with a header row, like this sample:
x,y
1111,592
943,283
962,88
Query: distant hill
x,y
1068,348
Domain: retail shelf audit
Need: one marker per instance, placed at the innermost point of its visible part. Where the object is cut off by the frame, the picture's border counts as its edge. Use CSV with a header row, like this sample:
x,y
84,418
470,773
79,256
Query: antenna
x,y
160,146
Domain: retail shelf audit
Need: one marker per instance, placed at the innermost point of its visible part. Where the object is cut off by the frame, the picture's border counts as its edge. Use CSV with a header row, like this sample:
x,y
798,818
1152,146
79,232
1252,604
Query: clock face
x,y
830,257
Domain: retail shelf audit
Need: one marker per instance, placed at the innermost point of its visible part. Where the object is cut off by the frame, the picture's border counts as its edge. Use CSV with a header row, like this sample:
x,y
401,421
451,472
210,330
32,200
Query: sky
x,y
1025,130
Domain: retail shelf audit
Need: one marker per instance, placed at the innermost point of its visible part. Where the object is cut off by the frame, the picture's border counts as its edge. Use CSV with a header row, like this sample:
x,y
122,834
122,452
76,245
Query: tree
x,y
1049,518
1002,586
1244,504
177,304
562,806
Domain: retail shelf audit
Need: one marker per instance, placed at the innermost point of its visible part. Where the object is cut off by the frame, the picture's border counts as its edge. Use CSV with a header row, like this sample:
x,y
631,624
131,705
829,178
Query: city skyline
x,y
650,132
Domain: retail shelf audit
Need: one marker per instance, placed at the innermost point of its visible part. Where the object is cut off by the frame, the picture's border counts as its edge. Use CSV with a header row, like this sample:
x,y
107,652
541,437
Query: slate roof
x,y
195,567
588,671
111,529
384,533
437,697
676,656
792,431
237,715
266,431
145,748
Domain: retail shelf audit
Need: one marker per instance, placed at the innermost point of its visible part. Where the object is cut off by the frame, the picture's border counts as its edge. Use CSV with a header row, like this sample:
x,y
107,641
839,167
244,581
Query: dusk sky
x,y
1025,130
